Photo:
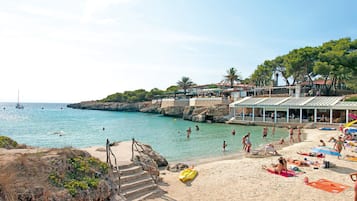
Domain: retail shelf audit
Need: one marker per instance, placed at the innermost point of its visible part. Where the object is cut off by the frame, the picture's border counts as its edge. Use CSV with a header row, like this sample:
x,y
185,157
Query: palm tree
x,y
185,83
232,76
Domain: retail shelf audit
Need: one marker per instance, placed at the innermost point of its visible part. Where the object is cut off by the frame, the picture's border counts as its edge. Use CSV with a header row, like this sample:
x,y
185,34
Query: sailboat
x,y
18,105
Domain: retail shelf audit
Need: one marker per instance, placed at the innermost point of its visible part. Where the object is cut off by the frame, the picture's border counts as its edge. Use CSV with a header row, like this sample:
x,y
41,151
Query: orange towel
x,y
328,186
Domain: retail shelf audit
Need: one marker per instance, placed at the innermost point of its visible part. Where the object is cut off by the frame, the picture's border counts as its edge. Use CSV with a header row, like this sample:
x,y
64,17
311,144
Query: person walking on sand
x,y
339,144
224,145
291,134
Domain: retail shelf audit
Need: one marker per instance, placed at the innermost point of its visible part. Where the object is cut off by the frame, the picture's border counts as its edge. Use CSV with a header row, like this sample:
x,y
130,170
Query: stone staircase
x,y
135,183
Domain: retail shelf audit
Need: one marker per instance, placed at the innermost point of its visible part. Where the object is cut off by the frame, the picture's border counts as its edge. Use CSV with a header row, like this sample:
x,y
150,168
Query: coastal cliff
x,y
218,113
116,106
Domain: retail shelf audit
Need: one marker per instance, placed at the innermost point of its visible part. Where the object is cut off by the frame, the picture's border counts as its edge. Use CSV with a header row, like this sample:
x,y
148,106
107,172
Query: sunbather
x,y
312,154
277,168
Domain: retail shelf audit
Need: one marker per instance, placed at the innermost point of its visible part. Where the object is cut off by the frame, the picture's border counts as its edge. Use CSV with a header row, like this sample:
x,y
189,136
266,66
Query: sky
x,y
77,50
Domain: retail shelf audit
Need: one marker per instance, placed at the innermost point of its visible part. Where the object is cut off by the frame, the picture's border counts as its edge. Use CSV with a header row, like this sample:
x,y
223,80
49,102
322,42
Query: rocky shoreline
x,y
213,114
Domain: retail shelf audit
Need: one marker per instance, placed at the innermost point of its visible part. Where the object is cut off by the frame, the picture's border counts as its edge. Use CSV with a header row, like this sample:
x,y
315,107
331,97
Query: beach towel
x,y
354,159
328,186
288,173
312,155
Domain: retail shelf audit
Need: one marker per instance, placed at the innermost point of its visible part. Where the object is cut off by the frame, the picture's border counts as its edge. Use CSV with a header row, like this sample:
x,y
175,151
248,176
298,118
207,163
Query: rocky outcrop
x,y
146,152
217,113
177,167
173,111
116,106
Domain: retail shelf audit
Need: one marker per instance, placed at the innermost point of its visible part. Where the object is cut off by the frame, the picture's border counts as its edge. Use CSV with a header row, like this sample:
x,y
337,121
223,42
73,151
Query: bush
x,y
82,174
7,143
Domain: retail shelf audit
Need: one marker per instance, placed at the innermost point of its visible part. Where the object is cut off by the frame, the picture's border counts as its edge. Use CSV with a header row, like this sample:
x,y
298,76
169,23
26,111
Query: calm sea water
x,y
55,125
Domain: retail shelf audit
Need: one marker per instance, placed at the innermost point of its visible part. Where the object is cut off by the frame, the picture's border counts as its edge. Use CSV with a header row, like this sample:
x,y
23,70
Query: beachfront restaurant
x,y
317,109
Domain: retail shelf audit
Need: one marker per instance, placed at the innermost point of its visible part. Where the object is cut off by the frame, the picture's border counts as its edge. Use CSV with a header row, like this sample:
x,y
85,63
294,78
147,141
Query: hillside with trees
x,y
334,62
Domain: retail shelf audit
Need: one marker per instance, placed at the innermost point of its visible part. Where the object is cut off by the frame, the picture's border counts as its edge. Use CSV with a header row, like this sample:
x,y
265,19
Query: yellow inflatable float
x,y
187,174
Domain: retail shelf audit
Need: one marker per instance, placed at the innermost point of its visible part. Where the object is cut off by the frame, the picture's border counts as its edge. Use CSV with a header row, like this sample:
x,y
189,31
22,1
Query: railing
x,y
151,169
115,167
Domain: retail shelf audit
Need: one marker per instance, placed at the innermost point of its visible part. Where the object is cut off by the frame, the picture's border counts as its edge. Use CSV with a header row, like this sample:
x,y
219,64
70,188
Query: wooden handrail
x,y
135,146
109,162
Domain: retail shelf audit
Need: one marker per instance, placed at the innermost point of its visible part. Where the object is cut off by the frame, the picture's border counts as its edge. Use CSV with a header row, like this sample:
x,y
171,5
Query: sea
x,y
54,125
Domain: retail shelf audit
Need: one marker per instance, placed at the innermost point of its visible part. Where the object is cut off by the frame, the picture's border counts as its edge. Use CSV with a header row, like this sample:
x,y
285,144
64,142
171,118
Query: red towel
x,y
288,173
328,186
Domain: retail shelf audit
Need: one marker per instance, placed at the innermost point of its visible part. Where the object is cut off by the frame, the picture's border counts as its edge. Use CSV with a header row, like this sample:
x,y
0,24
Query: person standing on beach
x,y
299,134
233,132
291,134
246,142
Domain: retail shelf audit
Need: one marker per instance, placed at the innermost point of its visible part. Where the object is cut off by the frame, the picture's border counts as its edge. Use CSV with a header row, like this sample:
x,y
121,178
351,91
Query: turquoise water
x,y
55,125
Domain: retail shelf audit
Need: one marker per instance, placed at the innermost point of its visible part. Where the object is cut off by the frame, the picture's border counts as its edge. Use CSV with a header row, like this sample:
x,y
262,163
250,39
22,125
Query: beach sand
x,y
242,178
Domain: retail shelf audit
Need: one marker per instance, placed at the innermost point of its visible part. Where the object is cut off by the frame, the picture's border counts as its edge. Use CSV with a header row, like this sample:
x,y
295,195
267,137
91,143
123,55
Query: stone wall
x,y
207,102
171,102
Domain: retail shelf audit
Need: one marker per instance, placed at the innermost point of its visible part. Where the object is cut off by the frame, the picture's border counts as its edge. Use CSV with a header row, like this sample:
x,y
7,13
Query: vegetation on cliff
x,y
54,174
7,143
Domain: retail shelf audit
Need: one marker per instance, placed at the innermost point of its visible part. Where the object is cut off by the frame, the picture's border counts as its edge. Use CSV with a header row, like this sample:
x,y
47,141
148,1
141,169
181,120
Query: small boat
x,y
327,129
18,105
187,174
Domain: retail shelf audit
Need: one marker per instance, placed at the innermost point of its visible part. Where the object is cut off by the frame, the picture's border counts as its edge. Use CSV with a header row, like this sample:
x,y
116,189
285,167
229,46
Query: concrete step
x,y
136,183
137,192
133,177
157,193
130,170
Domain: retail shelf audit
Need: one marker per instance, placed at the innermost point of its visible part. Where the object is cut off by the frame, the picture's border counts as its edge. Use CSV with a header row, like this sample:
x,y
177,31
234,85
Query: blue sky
x,y
69,51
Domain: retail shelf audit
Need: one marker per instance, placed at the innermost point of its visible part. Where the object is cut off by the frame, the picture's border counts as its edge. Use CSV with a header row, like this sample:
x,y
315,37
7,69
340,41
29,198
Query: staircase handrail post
x,y
132,149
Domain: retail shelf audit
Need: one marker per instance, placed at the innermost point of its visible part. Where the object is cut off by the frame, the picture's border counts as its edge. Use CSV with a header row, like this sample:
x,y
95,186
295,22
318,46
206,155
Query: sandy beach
x,y
244,179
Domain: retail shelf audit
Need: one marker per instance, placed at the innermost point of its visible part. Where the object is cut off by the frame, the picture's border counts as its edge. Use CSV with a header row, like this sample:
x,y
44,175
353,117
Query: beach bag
x,y
326,164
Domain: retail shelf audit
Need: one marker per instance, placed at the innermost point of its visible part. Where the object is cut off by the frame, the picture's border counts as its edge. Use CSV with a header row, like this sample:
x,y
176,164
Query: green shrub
x,y
8,143
81,174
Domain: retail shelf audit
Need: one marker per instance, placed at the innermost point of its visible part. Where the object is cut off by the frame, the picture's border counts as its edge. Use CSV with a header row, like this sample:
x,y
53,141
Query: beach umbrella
x,y
326,150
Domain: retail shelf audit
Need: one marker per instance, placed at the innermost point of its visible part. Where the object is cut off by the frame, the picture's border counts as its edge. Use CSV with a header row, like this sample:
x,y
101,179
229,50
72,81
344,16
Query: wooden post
x,y
107,150
132,150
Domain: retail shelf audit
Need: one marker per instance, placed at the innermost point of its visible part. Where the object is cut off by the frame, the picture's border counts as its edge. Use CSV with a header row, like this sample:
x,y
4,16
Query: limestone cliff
x,y
116,106
217,113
